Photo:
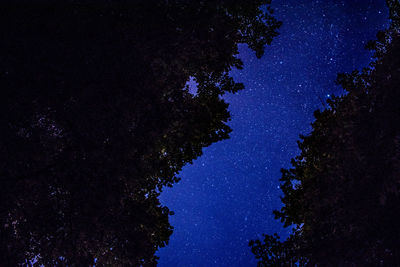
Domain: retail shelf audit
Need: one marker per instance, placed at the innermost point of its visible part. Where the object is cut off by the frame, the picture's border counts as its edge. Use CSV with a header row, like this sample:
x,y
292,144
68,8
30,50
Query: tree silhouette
x,y
96,119
343,192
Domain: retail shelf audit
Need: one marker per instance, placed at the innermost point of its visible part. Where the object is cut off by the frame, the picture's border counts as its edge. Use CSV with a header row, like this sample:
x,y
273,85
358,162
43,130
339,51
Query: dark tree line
x,y
95,119
342,194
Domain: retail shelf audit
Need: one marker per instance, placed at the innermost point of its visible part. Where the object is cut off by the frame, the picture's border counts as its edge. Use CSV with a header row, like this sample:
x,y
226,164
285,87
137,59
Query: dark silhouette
x,y
95,119
343,192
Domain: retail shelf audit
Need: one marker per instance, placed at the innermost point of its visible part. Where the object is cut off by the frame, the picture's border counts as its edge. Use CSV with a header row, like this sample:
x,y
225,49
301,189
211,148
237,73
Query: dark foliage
x,y
343,192
95,119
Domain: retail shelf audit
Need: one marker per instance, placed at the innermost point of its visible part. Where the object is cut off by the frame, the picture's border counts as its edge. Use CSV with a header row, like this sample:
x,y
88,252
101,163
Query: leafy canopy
x,y
95,119
343,192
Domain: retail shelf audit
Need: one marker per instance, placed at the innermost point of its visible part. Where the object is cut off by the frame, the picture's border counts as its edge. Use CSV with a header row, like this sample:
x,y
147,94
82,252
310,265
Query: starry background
x,y
227,196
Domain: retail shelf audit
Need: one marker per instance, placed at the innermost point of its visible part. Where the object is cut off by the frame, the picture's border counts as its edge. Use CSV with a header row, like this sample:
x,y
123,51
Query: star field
x,y
226,197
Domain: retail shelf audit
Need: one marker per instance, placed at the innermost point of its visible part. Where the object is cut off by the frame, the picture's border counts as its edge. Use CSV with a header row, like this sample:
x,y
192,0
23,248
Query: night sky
x,y
227,196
